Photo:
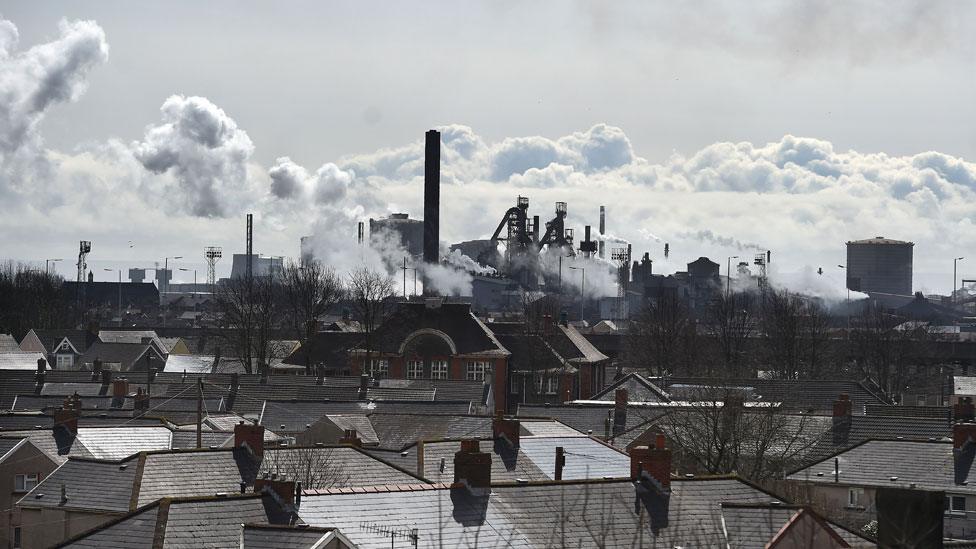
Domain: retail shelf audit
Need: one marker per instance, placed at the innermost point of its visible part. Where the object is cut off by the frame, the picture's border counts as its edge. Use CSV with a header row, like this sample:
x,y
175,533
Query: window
x,y
438,369
381,367
476,371
955,505
548,384
415,369
854,497
25,482
920,400
65,362
17,538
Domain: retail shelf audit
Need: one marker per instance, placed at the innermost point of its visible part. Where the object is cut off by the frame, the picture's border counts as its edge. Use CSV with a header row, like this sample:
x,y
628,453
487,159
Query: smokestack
x,y
603,220
432,196
249,265
362,232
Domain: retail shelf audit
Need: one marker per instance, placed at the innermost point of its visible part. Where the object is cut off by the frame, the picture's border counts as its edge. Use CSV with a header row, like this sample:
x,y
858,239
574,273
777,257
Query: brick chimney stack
x,y
655,460
281,489
141,401
964,410
620,411
509,429
841,426
363,386
350,437
250,436
120,388
472,467
963,450
67,416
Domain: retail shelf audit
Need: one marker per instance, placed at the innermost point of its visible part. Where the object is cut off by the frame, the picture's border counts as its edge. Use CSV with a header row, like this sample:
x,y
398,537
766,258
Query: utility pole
x,y
200,412
404,277
952,296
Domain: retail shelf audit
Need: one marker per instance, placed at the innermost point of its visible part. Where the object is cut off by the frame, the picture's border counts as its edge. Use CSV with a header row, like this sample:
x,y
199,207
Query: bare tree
x,y
250,315
370,292
662,338
731,321
30,299
795,334
308,291
314,467
886,348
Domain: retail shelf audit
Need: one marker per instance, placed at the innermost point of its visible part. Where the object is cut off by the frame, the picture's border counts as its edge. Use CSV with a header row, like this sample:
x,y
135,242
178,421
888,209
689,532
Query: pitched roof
x,y
51,338
89,484
545,514
19,361
639,389
397,430
817,395
467,334
97,442
589,417
261,536
8,344
759,525
129,356
898,463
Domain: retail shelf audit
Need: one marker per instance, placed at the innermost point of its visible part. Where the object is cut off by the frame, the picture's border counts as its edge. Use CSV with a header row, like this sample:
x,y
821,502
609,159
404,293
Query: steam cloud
x,y
807,192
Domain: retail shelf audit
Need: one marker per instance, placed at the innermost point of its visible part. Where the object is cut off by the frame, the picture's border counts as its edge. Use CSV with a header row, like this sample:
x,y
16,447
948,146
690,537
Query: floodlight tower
x,y
83,250
212,253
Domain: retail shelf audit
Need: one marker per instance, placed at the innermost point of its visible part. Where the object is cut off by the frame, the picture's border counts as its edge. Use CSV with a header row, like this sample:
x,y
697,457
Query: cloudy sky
x,y
151,128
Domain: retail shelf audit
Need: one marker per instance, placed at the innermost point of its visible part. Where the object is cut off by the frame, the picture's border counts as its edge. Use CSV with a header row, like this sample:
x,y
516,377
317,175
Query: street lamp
x,y
953,294
194,278
582,271
728,278
166,269
120,293
47,262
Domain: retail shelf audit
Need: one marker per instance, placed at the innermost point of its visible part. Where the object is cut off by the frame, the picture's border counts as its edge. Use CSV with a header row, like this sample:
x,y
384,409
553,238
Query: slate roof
x,y
816,395
17,360
129,356
534,459
189,522
8,444
753,525
157,405
547,514
931,412
295,415
8,344
96,442
89,484
639,389
470,335
964,385
864,428
395,431
928,465
589,417
50,338
130,336
281,537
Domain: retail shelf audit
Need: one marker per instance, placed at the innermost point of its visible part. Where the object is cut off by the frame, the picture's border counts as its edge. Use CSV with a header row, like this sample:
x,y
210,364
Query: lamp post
x,y
194,278
582,271
953,294
166,277
120,293
47,263
728,277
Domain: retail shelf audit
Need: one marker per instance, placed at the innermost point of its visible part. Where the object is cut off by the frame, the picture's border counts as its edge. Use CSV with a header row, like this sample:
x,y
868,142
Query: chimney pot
x,y
620,411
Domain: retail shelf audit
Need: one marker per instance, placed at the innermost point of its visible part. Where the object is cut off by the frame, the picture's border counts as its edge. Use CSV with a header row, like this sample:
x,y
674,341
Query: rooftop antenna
x,y
411,534
83,250
212,253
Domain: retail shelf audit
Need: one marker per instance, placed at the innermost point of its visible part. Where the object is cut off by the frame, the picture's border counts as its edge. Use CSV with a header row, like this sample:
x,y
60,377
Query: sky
x,y
151,128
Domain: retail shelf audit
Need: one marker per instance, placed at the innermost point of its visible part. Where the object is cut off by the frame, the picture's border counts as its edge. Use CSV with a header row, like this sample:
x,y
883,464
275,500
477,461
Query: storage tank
x,y
880,265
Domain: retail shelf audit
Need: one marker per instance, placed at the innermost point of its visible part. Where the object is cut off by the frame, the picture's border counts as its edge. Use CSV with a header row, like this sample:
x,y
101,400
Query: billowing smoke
x,y
597,277
206,152
708,236
33,81
291,181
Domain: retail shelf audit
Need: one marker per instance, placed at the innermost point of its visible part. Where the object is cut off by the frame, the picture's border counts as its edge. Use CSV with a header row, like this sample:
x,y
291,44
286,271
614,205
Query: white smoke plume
x,y
707,235
31,82
206,152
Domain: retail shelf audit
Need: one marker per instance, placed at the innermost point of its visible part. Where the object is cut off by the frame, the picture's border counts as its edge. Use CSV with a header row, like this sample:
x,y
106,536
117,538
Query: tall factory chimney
x,y
432,196
603,229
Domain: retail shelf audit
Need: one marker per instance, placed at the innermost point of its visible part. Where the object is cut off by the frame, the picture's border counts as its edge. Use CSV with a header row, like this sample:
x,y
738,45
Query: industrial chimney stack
x,y
432,197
